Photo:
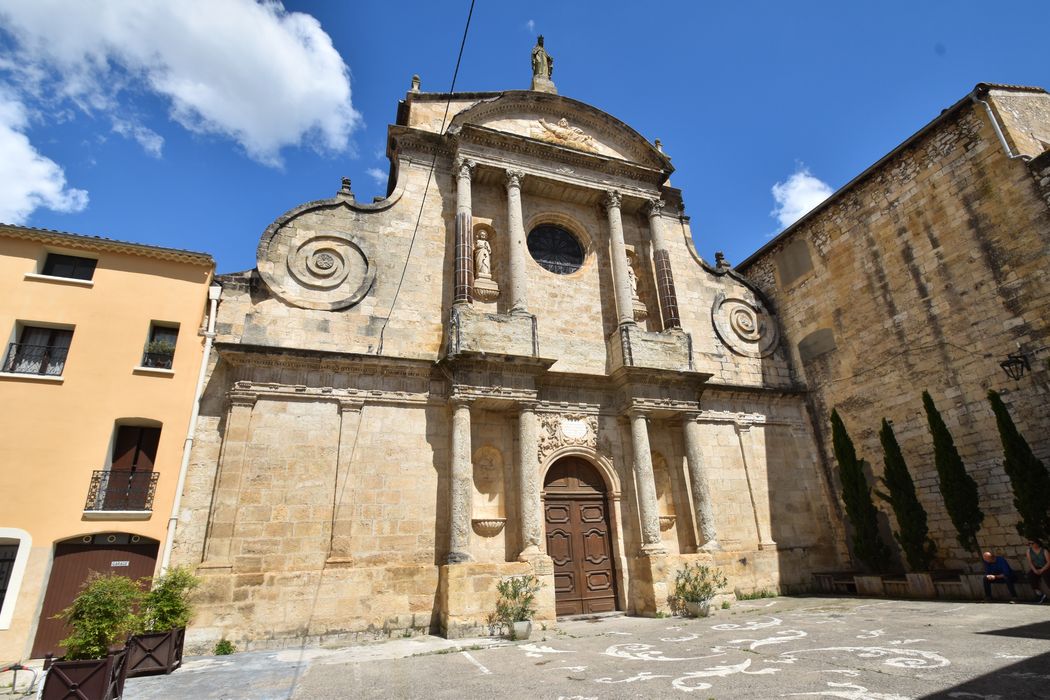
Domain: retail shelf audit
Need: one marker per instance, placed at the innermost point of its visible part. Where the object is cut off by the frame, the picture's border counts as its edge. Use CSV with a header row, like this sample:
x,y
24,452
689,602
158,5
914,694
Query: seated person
x,y
1038,568
997,570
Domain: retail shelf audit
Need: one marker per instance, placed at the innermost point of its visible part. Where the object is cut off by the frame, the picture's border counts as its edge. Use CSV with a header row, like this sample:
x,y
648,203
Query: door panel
x,y
73,562
578,539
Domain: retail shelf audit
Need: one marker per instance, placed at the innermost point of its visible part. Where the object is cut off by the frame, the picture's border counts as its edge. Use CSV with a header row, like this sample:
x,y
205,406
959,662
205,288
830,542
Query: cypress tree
x,y
1028,476
856,494
913,535
958,488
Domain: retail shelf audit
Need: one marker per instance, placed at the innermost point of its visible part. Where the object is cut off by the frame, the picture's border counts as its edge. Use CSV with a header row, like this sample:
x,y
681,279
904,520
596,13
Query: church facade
x,y
515,363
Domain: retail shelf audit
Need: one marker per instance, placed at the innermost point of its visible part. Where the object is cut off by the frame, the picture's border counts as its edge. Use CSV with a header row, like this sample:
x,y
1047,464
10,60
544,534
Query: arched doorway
x,y
576,518
109,552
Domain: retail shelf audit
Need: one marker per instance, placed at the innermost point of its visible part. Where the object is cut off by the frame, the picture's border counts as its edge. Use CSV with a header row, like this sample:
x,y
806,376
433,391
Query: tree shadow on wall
x,y
1024,679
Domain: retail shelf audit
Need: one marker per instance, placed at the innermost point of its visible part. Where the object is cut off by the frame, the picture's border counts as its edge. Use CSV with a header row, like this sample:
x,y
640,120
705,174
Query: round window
x,y
555,249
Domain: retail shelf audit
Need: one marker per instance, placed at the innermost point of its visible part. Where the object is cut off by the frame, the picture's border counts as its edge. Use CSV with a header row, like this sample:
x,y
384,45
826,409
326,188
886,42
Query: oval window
x,y
555,249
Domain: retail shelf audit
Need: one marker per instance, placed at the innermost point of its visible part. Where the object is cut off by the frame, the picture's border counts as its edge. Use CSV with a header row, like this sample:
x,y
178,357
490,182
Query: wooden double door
x,y
576,515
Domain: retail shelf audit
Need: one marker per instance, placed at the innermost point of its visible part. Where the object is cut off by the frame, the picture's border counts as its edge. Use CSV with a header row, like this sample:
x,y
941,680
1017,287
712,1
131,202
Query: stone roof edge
x,y
98,243
979,89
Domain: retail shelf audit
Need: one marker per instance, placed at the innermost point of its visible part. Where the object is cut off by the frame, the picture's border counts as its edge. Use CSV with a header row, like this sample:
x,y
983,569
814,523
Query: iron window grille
x,y
112,489
24,358
555,249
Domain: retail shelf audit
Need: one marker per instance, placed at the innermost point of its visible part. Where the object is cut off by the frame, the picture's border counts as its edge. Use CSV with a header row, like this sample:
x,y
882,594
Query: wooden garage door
x,y
74,559
577,522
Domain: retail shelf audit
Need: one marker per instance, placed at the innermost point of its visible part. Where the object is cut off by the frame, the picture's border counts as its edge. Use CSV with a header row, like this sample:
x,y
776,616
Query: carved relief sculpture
x,y
565,134
485,288
559,430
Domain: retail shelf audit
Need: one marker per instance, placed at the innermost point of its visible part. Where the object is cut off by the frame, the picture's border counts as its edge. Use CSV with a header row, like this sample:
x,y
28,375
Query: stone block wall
x,y
925,274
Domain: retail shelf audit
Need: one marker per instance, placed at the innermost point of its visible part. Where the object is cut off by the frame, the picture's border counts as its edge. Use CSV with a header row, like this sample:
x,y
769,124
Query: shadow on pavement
x,y
1036,630
1024,679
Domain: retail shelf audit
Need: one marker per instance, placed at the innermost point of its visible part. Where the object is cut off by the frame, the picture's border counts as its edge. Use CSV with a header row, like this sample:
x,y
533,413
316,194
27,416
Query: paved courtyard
x,y
775,648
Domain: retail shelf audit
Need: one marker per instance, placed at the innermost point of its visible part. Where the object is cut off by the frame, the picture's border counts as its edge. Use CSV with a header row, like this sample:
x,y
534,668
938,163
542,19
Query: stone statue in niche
x,y
485,288
483,256
640,312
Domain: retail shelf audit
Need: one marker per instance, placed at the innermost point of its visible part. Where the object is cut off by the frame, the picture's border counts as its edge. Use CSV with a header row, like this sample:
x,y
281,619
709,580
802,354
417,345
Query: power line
x,y
430,175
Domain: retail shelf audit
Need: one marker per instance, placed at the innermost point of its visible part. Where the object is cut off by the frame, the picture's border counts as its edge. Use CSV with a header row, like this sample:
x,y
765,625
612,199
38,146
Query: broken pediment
x,y
563,122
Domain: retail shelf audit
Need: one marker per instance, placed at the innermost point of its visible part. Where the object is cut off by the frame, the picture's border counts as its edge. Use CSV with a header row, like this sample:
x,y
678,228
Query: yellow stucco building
x,y
98,383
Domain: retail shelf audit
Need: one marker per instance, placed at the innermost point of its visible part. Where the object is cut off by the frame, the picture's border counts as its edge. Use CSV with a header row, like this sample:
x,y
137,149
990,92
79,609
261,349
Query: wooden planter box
x,y
869,585
155,653
95,679
921,586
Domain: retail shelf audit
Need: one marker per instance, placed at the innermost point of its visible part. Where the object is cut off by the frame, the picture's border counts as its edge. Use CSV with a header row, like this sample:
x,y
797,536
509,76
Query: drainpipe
x,y
209,336
995,125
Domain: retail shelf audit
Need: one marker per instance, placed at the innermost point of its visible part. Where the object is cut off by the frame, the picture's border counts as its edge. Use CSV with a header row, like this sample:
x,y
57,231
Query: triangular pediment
x,y
563,122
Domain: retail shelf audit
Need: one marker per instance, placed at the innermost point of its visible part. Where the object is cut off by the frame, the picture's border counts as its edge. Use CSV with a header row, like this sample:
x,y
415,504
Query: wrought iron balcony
x,y
159,360
124,490
35,359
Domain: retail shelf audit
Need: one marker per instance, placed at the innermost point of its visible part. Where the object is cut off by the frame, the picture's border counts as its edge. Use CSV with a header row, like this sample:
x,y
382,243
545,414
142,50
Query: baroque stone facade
x,y
514,363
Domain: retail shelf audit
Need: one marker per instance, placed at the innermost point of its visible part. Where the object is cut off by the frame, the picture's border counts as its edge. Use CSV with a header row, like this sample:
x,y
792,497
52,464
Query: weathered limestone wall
x,y
925,275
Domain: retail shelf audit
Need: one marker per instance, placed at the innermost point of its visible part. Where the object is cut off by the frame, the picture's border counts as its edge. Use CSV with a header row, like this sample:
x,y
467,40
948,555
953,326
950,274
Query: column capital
x,y
241,398
635,412
654,208
514,178
611,199
458,400
465,167
529,405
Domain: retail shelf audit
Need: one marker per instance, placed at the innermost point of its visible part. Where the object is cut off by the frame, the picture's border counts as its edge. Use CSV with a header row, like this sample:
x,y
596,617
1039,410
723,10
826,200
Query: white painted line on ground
x,y
476,663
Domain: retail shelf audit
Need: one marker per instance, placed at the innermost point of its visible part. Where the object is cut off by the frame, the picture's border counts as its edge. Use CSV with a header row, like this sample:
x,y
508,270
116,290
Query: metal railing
x,y
113,489
159,360
35,359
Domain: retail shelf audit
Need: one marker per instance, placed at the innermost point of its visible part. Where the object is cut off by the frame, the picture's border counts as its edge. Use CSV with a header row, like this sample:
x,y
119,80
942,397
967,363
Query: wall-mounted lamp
x,y
1015,366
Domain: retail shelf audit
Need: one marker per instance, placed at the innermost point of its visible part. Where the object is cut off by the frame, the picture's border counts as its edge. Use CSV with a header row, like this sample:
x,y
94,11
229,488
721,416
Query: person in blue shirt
x,y
997,570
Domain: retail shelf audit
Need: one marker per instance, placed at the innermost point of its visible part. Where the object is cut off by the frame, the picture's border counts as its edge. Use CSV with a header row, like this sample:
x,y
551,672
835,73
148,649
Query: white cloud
x,y
530,25
150,140
244,70
30,180
378,175
798,195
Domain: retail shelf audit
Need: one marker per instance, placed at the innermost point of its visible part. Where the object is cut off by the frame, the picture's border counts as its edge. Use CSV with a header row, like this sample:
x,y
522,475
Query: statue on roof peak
x,y
542,68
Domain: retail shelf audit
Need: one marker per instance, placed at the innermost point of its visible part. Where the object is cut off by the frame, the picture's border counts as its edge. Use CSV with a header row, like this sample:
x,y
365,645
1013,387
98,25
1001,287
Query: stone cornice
x,y
244,355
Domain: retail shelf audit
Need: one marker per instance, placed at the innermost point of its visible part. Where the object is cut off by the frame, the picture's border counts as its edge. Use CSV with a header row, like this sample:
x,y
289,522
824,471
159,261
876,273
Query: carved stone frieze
x,y
559,430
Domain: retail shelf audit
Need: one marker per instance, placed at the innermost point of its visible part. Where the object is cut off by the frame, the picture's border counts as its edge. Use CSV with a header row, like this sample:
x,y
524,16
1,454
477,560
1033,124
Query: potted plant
x,y
159,353
102,615
166,610
514,607
695,586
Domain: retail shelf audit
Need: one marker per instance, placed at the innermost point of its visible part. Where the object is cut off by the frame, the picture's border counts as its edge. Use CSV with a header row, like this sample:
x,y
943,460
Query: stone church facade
x,y
517,363
514,363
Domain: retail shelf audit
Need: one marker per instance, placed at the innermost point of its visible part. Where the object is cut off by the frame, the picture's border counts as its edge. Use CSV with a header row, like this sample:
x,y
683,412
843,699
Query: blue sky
x,y
195,124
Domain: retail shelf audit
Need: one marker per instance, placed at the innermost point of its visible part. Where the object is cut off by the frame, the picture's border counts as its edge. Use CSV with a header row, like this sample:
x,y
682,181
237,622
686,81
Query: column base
x,y
649,589
710,546
458,558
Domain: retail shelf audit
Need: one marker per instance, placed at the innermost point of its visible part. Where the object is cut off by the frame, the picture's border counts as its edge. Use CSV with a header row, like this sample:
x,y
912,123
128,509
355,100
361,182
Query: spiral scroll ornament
x,y
745,328
317,270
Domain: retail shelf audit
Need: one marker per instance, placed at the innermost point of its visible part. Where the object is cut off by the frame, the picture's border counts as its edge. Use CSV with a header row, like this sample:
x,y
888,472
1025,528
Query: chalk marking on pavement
x,y
477,663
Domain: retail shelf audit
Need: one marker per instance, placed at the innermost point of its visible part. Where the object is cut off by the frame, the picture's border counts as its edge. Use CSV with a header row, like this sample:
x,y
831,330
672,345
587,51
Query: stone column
x,y
461,490
757,486
463,273
530,506
643,475
516,238
662,262
705,516
618,252
343,498
228,483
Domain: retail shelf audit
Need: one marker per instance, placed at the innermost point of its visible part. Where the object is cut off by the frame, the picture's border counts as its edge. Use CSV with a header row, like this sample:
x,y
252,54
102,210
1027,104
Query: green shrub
x,y
696,583
516,597
160,347
167,605
754,595
958,488
224,647
102,615
913,532
1029,478
868,546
